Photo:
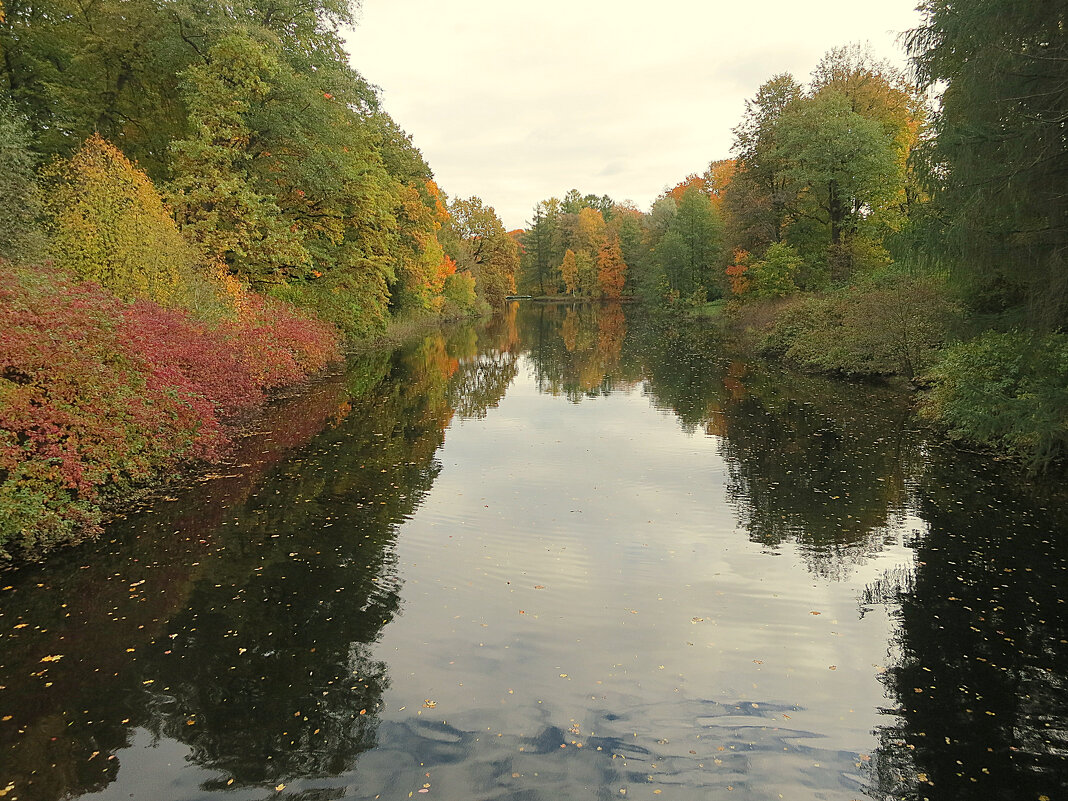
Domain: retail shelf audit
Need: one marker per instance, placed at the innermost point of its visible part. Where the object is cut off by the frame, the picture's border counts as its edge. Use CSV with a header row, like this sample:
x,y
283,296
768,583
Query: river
x,y
574,553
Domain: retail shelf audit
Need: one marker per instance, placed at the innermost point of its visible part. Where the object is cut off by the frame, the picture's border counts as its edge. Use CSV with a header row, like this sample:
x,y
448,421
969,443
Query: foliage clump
x,y
1008,390
891,325
107,223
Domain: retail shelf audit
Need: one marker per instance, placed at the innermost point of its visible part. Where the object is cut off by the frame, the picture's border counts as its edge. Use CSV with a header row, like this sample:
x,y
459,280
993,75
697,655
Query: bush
x,y
98,395
891,325
460,297
775,275
1008,391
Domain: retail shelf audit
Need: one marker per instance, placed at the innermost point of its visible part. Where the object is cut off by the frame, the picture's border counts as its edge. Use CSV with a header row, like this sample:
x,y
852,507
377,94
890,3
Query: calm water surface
x,y
574,554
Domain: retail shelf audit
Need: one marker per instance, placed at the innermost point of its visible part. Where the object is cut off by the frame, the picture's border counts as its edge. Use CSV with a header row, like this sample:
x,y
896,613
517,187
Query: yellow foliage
x,y
109,225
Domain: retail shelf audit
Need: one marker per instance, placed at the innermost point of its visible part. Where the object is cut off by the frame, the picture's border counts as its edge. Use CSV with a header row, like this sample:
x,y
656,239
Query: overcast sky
x,y
517,102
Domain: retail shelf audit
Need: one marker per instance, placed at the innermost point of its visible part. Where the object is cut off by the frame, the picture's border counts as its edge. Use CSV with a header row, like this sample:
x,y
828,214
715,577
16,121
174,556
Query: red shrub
x,y
96,393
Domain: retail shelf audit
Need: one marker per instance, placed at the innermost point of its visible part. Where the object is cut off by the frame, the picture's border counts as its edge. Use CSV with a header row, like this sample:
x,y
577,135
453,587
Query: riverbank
x,y
996,389
104,404
101,397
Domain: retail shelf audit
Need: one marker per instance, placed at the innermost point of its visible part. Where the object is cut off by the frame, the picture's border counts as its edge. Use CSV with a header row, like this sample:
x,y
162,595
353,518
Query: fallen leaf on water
x,y
280,787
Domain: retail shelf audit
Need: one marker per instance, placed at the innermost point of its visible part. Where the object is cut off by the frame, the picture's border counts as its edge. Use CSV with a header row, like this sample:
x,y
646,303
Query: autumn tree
x,y
611,270
586,270
590,234
569,271
108,224
717,178
483,248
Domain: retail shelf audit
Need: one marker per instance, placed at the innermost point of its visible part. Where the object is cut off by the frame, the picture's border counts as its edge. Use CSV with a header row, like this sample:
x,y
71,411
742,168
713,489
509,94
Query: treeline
x,y
200,201
864,227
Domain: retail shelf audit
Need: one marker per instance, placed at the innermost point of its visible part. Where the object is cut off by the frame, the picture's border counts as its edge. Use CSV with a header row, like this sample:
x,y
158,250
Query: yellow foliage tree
x,y
108,224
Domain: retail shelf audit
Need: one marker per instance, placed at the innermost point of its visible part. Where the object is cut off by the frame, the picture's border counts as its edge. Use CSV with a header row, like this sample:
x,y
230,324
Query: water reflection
x,y
812,461
795,593
238,619
982,650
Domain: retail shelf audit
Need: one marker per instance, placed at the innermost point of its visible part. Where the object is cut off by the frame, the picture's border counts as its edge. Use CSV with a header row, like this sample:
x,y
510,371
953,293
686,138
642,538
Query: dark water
x,y
576,554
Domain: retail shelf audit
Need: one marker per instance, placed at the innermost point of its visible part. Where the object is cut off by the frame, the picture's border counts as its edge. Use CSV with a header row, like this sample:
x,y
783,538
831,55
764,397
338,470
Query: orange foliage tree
x,y
717,178
736,273
692,181
611,270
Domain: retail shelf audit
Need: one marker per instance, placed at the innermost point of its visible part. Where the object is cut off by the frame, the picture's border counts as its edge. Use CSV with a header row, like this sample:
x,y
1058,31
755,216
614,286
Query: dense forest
x,y
872,224
192,189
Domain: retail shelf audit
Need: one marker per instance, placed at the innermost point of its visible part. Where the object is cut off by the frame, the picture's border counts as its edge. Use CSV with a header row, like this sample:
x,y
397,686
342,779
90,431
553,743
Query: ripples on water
x,y
577,553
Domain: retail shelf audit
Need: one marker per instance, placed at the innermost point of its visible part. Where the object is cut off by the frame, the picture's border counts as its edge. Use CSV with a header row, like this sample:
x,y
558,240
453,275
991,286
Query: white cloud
x,y
517,102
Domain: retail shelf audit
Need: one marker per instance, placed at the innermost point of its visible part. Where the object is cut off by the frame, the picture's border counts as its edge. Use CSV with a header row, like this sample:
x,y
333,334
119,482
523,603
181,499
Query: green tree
x,y
691,247
215,201
842,166
20,238
74,68
538,245
760,194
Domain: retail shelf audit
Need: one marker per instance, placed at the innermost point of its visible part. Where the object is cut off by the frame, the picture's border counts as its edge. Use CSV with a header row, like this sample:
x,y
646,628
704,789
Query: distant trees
x,y
478,242
564,244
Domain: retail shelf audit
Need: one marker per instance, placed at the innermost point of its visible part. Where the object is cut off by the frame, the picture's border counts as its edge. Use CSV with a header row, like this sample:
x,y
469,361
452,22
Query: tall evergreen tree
x,y
999,164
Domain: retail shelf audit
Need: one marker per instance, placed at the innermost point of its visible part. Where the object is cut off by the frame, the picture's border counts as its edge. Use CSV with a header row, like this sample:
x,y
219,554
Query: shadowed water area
x,y
576,553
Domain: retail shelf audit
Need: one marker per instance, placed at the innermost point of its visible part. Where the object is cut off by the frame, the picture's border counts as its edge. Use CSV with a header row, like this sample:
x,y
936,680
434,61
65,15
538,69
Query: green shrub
x,y
1008,391
108,224
891,325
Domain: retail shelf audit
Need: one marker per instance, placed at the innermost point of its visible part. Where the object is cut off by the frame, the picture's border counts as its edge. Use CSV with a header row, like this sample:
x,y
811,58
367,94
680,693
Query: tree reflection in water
x,y
246,633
